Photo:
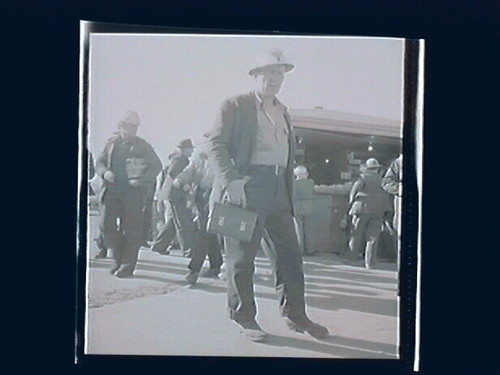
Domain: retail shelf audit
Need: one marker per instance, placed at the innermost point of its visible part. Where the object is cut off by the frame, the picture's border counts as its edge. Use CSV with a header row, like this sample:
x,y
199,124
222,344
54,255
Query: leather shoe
x,y
211,273
124,271
303,324
252,331
113,269
161,252
191,277
101,254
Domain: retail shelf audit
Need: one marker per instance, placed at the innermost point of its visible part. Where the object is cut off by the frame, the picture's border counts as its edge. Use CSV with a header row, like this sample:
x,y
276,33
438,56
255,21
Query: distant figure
x,y
303,188
252,148
148,216
369,203
103,251
200,177
179,219
90,172
393,184
128,167
91,192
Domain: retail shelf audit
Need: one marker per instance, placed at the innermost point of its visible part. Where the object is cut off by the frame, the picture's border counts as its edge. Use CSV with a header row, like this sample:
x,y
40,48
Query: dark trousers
x,y
366,230
266,195
148,221
179,221
206,243
122,222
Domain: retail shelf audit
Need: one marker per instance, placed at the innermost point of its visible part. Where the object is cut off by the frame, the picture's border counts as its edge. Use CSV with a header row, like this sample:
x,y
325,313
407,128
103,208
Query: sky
x,y
176,83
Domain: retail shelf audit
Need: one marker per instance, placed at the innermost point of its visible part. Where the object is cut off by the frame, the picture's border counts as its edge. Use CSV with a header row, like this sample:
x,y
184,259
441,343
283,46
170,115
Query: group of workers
x,y
247,160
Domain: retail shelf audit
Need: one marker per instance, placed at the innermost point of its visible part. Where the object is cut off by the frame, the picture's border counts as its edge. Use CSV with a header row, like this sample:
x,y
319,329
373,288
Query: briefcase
x,y
232,221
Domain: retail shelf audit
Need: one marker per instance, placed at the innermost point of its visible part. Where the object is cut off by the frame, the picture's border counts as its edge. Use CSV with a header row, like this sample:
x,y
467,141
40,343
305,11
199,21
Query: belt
x,y
277,170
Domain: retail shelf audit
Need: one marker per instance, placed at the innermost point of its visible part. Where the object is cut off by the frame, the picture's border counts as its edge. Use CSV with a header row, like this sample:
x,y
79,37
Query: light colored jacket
x,y
393,184
393,178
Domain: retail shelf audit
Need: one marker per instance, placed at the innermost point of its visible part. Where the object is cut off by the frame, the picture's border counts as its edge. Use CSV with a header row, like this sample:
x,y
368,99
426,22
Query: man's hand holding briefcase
x,y
227,219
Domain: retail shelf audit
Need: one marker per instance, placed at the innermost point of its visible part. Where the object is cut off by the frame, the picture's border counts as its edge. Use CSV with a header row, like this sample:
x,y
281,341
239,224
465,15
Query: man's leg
x,y
148,223
198,253
288,263
133,229
299,230
398,204
111,211
240,258
289,273
103,251
184,225
166,233
214,252
357,241
372,233
240,268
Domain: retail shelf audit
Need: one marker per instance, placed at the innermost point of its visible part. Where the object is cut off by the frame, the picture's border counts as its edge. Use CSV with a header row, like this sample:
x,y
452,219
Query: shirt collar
x,y
259,104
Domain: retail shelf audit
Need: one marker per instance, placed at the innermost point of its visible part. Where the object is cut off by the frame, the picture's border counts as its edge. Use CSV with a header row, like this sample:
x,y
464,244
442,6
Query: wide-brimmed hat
x,y
186,143
130,118
272,58
372,163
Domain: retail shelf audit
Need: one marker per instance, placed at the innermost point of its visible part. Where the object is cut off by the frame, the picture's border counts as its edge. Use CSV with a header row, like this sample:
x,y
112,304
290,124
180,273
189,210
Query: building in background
x,y
333,145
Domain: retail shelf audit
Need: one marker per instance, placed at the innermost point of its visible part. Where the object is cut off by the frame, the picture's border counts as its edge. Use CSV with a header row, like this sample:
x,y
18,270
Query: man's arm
x,y
219,143
101,164
177,166
354,190
188,175
154,163
392,180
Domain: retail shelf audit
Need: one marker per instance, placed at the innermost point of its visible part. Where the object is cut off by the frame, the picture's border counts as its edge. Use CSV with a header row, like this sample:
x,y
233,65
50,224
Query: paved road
x,y
156,313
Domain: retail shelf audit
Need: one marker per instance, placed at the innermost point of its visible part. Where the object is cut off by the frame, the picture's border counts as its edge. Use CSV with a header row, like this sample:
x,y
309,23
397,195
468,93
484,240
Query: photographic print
x,y
244,195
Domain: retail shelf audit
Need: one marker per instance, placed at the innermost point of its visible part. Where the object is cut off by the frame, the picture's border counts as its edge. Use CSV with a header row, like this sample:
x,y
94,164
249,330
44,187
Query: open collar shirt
x,y
272,146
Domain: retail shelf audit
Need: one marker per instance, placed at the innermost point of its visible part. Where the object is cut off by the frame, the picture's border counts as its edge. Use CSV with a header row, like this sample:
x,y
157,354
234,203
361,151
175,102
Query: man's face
x,y
127,130
187,151
271,80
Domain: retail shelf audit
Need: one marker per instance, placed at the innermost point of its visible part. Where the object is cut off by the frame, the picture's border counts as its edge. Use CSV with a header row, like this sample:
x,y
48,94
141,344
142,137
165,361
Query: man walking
x,y
369,204
251,148
178,217
128,167
393,184
200,177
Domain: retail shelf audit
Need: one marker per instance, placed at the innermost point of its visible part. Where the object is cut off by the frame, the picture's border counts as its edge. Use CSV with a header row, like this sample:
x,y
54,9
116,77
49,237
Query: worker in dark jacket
x,y
252,149
369,203
128,167
179,219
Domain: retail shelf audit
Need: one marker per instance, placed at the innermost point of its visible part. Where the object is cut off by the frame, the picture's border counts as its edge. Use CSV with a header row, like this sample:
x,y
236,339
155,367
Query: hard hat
x,y
372,163
300,170
186,143
271,58
130,118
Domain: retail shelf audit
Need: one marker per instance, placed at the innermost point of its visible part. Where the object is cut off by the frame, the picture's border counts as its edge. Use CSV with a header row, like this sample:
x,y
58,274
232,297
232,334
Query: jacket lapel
x,y
249,123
